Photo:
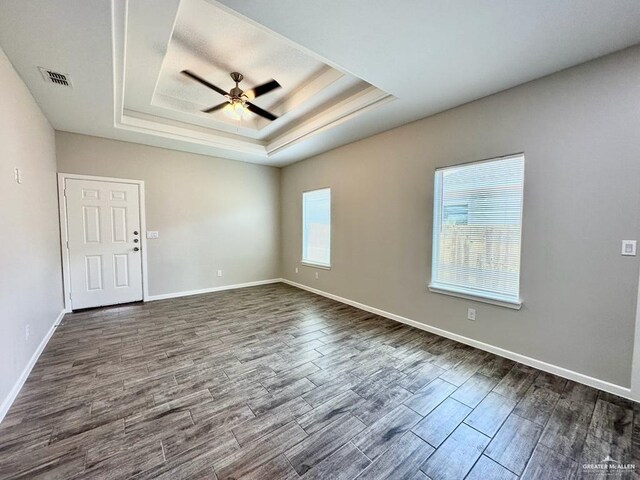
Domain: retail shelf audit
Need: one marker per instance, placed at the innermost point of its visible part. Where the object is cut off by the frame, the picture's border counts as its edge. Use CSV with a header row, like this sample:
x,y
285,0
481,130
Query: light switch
x,y
18,175
629,247
152,234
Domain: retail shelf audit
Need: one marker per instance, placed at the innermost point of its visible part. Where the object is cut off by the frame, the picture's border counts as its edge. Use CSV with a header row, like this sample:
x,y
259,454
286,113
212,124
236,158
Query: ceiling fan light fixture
x,y
236,108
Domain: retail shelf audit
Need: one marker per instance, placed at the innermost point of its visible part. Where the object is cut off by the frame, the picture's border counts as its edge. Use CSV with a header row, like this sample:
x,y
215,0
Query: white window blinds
x,y
316,227
477,225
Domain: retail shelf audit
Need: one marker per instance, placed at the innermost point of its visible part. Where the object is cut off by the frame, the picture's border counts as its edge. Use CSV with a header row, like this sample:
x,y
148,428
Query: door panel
x,y
91,224
121,269
119,224
89,193
94,272
101,220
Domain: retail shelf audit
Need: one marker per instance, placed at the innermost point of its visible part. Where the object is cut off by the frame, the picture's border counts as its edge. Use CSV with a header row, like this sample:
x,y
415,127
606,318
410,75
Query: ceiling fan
x,y
237,98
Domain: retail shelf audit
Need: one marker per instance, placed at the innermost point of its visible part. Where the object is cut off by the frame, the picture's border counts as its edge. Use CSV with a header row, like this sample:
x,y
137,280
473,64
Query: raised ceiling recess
x,y
210,43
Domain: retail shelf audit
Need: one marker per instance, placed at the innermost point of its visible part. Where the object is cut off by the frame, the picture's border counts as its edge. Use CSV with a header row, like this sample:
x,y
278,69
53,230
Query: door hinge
x,y
64,192
67,244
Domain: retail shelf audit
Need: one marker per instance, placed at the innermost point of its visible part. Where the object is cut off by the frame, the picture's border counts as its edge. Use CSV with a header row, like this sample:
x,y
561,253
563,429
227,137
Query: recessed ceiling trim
x,y
327,77
343,111
187,134
189,126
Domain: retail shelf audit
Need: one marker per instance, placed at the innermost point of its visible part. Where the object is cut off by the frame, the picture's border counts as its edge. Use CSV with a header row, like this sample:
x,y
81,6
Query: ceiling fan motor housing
x,y
236,92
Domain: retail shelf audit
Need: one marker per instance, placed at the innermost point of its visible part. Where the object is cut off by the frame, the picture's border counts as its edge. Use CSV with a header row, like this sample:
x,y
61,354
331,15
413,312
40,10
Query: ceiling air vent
x,y
55,77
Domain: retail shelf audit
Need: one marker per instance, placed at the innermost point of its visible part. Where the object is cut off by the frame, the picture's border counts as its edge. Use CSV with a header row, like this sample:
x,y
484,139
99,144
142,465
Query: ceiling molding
x,y
342,112
217,140
322,80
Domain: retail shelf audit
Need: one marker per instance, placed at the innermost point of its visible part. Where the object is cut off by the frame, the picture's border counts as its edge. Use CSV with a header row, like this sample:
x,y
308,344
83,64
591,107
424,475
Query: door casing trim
x,y
62,210
635,364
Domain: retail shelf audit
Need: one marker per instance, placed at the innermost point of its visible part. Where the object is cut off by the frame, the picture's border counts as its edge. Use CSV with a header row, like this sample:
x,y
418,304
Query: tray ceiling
x,y
212,41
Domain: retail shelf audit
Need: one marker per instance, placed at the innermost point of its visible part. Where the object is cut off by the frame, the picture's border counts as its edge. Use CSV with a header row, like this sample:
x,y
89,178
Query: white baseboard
x,y
187,293
532,362
7,402
539,364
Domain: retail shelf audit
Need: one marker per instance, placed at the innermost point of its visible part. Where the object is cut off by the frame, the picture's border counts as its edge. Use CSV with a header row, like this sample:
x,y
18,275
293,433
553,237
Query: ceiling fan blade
x,y
217,107
262,89
259,111
204,82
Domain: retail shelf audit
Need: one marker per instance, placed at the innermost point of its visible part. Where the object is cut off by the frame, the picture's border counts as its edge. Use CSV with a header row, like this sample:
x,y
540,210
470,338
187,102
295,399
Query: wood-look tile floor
x,y
273,382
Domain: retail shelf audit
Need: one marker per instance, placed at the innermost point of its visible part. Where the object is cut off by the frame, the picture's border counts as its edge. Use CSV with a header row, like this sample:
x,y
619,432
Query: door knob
x,y
135,232
135,249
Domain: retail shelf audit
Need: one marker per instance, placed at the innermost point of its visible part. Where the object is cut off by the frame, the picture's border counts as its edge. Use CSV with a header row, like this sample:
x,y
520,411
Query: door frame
x,y
62,209
635,363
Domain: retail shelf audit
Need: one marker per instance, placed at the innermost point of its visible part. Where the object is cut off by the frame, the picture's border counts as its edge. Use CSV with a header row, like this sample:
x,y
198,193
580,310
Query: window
x,y
477,222
316,227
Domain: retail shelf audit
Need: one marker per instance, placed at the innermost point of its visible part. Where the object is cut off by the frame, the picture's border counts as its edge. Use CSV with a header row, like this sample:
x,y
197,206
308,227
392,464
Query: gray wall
x,y
579,131
30,272
211,213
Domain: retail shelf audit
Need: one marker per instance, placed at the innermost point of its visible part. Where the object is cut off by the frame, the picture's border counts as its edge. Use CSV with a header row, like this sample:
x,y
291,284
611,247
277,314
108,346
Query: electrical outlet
x,y
27,332
219,273
296,269
152,234
317,275
471,314
629,247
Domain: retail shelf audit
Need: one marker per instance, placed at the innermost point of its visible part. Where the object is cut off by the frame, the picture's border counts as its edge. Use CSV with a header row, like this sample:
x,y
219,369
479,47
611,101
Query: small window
x,y
477,223
316,227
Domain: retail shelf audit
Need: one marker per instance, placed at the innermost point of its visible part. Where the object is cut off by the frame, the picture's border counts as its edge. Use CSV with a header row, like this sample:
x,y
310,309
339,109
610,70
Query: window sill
x,y
476,298
316,265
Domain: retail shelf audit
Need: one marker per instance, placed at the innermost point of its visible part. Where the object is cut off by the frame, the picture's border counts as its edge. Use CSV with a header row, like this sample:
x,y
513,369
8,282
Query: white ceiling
x,y
422,58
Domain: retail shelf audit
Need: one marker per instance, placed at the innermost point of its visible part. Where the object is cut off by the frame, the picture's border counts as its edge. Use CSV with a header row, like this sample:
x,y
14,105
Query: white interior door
x,y
104,241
